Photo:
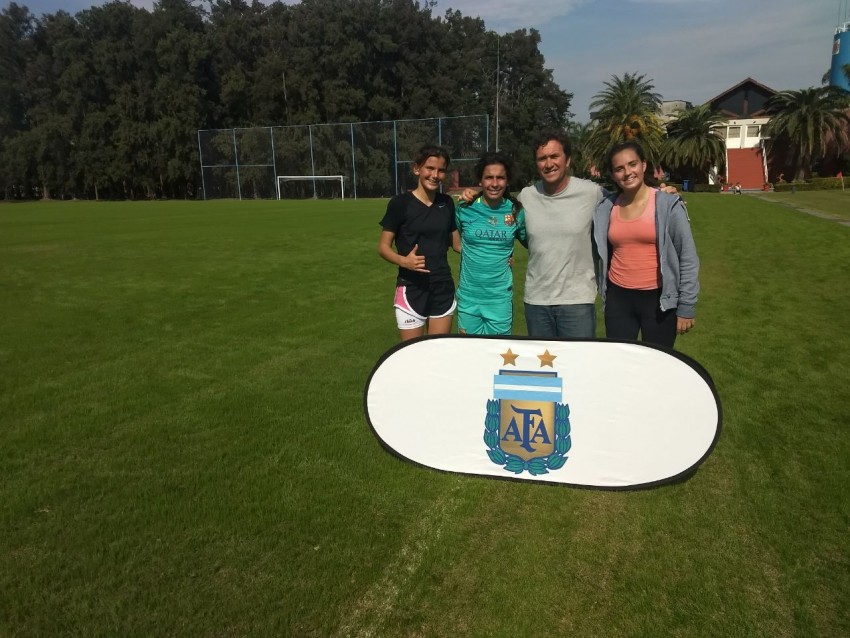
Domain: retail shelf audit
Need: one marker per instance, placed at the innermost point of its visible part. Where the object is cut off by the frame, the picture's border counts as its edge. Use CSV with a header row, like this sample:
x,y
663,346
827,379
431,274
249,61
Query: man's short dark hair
x,y
552,134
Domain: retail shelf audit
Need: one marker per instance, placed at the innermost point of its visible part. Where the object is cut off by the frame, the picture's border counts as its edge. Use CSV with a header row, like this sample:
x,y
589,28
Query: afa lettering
x,y
512,432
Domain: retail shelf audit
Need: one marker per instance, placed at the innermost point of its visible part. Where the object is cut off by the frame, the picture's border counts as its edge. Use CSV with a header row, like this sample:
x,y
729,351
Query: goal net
x,y
311,186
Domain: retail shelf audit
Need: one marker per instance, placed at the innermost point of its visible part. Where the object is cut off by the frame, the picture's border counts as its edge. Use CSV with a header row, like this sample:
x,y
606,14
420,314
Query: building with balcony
x,y
744,106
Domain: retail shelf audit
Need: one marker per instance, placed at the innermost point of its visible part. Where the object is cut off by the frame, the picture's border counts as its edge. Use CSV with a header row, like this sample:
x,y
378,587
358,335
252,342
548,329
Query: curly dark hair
x,y
489,159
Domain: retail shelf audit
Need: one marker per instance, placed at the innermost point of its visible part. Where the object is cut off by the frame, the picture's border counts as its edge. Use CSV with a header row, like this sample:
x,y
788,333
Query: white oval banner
x,y
602,414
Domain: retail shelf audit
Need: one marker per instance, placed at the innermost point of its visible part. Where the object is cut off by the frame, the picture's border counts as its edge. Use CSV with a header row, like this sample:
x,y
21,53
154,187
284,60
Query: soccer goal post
x,y
307,180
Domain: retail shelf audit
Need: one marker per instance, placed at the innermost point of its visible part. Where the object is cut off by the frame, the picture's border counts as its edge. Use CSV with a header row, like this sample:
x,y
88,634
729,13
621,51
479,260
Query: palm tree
x,y
811,122
692,145
578,136
627,109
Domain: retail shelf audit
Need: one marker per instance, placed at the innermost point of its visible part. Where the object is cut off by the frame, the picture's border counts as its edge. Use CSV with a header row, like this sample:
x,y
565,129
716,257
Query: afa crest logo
x,y
509,419
527,427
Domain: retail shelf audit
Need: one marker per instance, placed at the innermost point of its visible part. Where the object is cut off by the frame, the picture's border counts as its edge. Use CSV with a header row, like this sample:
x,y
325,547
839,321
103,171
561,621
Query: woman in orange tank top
x,y
649,283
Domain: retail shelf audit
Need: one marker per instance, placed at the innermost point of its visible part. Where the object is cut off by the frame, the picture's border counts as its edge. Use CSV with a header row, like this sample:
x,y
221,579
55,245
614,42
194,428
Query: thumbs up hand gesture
x,y
414,262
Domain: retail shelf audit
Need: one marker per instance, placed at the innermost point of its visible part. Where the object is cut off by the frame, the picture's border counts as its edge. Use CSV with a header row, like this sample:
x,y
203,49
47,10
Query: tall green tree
x,y
54,88
107,103
17,27
234,31
180,89
810,123
529,99
118,136
626,109
692,146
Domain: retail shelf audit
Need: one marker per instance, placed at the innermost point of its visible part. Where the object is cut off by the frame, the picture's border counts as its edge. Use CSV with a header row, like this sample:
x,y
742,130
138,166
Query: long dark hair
x,y
489,159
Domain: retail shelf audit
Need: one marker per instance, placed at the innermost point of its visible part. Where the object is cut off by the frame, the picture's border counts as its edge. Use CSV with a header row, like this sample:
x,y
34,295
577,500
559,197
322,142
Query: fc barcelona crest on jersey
x,y
509,220
527,427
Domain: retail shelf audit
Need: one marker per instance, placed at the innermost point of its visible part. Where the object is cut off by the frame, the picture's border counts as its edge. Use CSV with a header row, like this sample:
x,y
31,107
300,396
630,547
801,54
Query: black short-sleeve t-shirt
x,y
429,226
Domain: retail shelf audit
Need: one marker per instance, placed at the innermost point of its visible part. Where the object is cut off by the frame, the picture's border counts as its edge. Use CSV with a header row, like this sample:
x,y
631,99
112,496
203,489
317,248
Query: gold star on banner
x,y
547,359
509,357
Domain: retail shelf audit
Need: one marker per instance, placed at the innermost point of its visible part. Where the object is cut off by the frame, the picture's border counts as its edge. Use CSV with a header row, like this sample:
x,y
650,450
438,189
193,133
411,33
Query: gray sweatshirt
x,y
560,254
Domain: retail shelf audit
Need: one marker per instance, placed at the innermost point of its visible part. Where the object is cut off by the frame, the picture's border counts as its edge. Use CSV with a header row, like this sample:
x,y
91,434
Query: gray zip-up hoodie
x,y
677,254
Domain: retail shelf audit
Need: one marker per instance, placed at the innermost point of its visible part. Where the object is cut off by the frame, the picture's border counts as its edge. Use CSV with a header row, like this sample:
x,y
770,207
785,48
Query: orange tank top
x,y
634,258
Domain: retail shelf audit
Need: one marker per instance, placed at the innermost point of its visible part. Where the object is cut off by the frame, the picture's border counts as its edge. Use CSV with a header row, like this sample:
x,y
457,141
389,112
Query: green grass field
x,y
835,203
183,449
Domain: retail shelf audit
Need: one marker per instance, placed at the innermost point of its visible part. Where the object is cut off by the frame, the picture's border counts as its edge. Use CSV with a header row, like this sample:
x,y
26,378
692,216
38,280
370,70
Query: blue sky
x,y
691,49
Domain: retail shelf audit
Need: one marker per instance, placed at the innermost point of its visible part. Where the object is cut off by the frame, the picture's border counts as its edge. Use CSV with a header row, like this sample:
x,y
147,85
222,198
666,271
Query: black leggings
x,y
628,312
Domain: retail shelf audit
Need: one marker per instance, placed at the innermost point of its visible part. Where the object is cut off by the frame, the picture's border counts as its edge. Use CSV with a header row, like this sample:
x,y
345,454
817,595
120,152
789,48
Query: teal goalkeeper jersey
x,y
487,237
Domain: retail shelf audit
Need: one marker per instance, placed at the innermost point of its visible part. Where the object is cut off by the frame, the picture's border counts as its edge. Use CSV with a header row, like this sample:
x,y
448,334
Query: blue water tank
x,y
840,57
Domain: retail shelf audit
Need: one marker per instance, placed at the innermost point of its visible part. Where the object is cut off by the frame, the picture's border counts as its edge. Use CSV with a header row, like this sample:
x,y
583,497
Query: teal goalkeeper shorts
x,y
485,319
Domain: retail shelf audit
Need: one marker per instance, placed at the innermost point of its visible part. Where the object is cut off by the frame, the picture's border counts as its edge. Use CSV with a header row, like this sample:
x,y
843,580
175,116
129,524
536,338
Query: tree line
x,y
107,103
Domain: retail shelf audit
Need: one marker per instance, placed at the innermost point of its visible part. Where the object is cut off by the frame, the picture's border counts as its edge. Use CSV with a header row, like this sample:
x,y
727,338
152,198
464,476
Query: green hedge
x,y
816,184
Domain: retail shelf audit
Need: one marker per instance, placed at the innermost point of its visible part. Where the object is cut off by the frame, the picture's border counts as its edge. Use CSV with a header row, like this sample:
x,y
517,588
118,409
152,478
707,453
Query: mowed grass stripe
x,y
827,203
184,452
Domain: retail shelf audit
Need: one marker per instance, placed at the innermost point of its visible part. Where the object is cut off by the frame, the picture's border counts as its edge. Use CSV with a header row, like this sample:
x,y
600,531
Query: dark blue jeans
x,y
572,321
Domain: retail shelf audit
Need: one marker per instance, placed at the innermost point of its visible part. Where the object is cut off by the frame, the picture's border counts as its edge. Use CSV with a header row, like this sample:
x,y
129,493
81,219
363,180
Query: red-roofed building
x,y
744,106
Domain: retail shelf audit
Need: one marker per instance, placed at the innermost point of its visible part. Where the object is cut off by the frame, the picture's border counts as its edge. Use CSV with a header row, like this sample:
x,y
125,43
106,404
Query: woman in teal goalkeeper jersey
x,y
488,227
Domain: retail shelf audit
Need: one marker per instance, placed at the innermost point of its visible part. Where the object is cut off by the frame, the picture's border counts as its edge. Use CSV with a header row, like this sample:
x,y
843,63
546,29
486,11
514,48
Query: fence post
x,y
353,162
236,159
274,163
201,159
312,161
395,158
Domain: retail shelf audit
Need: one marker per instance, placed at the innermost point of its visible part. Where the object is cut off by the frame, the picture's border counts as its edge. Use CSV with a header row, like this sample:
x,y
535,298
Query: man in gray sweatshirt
x,y
560,281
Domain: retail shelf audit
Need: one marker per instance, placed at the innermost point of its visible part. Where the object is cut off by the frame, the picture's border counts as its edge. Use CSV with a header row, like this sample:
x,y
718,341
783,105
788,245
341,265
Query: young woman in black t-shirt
x,y
421,224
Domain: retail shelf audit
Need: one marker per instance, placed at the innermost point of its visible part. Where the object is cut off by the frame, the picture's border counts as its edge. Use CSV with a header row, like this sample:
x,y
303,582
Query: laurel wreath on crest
x,y
535,466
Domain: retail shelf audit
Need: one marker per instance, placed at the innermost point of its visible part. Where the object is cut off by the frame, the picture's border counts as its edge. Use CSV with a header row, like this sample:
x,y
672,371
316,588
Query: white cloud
x,y
509,15
691,52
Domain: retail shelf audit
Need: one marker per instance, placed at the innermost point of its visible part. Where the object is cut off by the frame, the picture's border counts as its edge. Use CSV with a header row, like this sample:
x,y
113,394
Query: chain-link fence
x,y
373,158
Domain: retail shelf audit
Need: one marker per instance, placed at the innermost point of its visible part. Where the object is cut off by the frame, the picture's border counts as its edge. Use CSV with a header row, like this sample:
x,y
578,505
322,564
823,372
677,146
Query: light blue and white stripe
x,y
527,388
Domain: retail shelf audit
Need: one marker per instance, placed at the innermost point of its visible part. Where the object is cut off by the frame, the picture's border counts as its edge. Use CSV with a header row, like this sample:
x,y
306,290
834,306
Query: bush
x,y
705,188
817,184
